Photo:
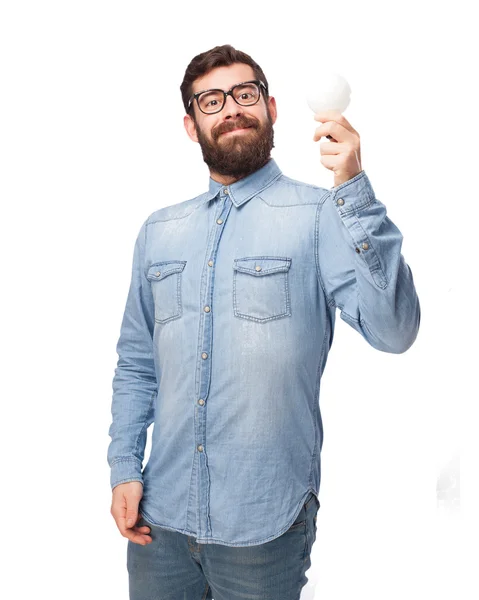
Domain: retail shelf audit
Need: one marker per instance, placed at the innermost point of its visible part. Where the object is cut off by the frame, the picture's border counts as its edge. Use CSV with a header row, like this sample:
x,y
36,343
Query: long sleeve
x,y
361,268
134,382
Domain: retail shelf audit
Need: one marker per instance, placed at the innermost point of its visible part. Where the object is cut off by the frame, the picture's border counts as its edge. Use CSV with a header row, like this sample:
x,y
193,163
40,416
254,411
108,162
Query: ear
x,y
190,128
272,108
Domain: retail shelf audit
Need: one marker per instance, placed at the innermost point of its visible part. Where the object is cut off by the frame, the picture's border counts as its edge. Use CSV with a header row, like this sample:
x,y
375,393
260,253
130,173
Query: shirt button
x,y
207,309
200,448
204,355
257,268
219,221
225,191
158,273
201,401
340,202
365,246
210,263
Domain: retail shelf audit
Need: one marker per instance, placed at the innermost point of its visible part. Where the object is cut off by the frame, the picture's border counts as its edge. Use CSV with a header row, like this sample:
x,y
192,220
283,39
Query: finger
x,y
138,535
331,148
132,516
329,162
142,529
338,132
145,528
138,538
123,526
336,116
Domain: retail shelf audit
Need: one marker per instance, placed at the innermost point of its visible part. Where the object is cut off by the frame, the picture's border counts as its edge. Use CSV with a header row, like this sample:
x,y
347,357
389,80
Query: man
x,y
227,327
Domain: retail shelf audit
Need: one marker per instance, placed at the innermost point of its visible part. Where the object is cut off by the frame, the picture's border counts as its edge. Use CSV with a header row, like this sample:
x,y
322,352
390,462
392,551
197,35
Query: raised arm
x,y
361,268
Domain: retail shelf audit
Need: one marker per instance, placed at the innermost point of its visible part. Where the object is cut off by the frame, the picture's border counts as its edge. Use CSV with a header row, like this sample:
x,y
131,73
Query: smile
x,y
235,130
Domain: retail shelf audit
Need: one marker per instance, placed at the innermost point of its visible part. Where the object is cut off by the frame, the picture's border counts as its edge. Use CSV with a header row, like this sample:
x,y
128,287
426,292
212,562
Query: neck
x,y
223,179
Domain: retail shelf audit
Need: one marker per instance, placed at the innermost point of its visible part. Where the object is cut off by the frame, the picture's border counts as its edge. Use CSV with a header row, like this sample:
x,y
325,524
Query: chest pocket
x,y
165,278
261,287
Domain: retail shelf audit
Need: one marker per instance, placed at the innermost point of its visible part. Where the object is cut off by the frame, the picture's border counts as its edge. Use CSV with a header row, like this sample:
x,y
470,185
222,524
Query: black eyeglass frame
x,y
258,82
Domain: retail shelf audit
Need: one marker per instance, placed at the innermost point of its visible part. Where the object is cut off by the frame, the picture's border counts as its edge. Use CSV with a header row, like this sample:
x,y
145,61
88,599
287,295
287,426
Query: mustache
x,y
239,124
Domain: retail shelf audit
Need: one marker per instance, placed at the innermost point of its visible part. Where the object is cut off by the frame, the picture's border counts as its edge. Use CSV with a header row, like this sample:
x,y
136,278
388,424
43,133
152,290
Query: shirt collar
x,y
244,189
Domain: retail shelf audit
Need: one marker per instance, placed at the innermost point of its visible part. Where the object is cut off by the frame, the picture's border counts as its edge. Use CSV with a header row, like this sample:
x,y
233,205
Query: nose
x,y
231,108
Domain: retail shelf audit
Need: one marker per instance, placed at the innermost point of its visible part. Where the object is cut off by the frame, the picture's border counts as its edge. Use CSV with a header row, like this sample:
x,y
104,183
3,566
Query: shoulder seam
x,y
201,199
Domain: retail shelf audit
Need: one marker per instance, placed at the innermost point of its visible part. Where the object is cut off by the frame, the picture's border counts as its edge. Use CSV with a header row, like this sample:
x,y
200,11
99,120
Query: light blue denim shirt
x,y
227,327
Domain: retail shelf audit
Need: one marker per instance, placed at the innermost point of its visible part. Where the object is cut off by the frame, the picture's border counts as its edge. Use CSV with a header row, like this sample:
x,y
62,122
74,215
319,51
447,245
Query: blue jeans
x,y
174,567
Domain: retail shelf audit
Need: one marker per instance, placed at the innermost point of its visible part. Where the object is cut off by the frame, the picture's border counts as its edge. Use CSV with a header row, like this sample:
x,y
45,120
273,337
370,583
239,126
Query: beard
x,y
238,154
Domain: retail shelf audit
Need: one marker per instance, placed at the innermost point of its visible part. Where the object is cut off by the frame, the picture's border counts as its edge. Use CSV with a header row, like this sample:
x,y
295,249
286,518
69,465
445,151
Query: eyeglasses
x,y
245,93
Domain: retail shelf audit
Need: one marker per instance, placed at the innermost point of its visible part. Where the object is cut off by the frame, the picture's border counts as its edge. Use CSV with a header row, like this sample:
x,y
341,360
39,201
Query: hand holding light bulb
x,y
328,97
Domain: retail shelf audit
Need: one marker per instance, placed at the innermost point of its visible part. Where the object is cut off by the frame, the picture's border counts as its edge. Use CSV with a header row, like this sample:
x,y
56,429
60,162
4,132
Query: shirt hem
x,y
211,540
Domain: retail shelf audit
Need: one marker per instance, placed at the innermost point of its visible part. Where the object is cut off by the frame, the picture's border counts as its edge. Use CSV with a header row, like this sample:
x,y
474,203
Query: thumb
x,y
131,515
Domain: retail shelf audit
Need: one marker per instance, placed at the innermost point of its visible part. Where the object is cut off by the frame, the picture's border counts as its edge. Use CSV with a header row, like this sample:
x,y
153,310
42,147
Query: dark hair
x,y
219,56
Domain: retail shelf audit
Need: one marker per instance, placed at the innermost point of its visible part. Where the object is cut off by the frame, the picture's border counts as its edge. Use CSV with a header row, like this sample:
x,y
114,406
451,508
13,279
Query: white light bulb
x,y
329,91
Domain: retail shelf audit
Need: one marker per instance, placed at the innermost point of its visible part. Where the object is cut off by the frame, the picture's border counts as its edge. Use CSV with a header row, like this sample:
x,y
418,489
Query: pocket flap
x,y
261,265
159,270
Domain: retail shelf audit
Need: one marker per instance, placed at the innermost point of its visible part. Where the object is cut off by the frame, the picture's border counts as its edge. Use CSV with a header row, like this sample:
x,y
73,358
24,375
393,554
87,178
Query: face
x,y
231,155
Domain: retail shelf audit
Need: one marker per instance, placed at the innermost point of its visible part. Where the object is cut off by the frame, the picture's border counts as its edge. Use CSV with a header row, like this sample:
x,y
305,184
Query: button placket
x,y
221,208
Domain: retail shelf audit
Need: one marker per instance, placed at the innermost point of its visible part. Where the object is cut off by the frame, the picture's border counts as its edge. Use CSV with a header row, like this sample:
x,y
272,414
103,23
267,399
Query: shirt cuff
x,y
362,213
124,470
352,195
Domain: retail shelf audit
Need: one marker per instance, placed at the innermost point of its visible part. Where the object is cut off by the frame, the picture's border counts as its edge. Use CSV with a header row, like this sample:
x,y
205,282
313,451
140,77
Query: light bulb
x,y
330,91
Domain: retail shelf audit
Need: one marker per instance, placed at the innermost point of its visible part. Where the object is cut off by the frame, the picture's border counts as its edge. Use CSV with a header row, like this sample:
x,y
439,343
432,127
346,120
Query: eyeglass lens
x,y
245,94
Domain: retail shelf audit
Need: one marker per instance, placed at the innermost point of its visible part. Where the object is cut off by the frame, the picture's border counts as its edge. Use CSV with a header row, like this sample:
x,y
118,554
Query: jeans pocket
x,y
261,287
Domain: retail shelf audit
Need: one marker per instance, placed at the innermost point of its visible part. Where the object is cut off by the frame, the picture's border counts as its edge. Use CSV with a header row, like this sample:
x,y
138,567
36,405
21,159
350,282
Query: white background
x,y
92,141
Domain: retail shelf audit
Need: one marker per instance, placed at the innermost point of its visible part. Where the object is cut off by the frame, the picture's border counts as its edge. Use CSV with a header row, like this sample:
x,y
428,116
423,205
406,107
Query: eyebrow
x,y
210,89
